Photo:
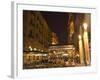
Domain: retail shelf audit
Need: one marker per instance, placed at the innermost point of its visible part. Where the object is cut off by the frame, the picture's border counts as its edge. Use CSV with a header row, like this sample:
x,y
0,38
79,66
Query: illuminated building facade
x,y
76,35
47,46
36,36
36,32
81,40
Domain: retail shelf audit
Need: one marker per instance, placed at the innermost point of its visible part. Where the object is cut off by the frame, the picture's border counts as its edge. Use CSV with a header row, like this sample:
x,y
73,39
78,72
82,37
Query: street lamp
x,y
34,49
30,48
85,26
79,37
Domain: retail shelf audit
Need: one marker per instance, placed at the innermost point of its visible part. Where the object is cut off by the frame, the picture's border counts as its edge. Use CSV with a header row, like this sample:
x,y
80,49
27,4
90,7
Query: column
x,y
86,44
81,50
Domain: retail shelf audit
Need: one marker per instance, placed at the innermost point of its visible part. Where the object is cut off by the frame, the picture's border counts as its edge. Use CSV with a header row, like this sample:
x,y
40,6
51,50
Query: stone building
x,y
76,28
36,38
36,32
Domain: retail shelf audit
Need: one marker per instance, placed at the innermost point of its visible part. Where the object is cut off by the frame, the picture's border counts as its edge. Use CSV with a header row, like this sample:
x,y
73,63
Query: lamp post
x,y
81,50
30,48
86,44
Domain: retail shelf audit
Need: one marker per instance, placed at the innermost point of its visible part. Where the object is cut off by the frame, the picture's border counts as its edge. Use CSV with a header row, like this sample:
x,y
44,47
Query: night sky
x,y
57,22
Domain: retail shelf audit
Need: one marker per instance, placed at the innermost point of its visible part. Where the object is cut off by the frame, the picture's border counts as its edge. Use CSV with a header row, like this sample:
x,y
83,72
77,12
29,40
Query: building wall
x,y
78,22
36,32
